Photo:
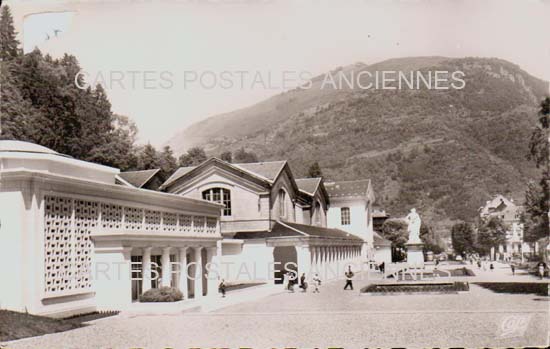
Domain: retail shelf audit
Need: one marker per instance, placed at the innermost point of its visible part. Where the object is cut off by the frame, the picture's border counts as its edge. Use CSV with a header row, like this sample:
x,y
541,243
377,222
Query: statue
x,y
413,219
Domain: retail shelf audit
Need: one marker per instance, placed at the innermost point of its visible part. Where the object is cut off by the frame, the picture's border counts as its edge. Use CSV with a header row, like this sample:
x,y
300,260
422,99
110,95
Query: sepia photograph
x,y
274,174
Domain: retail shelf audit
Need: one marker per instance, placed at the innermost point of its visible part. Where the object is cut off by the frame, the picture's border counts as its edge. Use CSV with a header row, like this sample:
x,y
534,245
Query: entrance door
x,y
282,255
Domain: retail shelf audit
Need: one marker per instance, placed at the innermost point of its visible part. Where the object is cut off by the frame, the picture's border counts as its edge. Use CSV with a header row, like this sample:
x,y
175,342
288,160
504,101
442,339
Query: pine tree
x,y
148,158
242,156
314,170
8,42
168,163
227,156
195,156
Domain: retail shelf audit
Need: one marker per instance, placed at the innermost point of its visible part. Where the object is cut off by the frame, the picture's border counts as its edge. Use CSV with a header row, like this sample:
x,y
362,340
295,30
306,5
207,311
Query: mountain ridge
x,y
416,145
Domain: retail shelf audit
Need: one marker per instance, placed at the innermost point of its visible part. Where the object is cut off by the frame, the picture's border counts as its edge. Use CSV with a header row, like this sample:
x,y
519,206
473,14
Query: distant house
x,y
510,214
146,179
351,209
379,216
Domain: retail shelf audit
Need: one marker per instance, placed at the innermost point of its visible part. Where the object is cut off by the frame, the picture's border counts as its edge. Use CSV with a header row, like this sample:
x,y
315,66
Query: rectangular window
x,y
227,203
345,216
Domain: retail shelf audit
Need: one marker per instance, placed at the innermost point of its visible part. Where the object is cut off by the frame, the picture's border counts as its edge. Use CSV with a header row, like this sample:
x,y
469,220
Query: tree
x,y
314,170
396,232
242,156
490,233
226,156
195,156
535,216
168,163
41,103
537,198
463,238
148,158
8,42
431,242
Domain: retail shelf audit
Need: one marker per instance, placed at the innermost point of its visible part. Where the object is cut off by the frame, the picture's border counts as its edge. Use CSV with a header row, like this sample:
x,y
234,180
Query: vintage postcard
x,y
272,174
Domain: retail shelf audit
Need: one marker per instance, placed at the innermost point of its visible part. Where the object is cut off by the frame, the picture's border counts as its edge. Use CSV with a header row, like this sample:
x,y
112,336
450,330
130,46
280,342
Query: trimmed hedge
x,y
162,294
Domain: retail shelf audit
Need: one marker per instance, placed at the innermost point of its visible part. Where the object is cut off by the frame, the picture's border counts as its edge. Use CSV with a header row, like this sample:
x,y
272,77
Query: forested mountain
x,y
444,152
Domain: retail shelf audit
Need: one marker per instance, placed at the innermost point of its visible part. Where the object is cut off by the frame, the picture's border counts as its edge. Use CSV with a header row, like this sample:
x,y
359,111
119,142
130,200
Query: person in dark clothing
x,y
303,283
382,267
221,288
349,279
513,269
491,266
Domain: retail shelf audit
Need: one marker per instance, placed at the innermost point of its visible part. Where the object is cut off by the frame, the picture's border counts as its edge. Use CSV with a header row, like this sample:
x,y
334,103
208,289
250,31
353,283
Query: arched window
x,y
345,217
219,195
282,203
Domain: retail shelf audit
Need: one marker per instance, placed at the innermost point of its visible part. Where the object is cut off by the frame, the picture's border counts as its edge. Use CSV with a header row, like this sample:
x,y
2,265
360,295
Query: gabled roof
x,y
179,173
308,185
269,170
348,188
287,229
138,178
189,171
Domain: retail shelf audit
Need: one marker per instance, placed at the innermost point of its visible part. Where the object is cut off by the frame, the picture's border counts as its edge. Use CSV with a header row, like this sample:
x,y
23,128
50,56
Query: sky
x,y
169,63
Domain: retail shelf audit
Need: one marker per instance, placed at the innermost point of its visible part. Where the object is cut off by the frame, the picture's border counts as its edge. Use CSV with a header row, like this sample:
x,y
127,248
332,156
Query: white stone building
x,y
510,214
351,209
72,240
270,219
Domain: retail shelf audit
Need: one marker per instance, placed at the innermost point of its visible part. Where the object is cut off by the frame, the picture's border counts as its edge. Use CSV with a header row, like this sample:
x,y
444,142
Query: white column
x,y
146,269
182,282
211,279
315,259
304,260
198,272
166,267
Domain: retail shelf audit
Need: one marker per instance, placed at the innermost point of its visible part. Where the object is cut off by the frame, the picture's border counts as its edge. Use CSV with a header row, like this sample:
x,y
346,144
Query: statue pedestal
x,y
415,256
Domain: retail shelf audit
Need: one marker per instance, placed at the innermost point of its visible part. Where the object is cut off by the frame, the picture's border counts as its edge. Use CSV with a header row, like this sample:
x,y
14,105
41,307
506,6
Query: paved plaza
x,y
334,317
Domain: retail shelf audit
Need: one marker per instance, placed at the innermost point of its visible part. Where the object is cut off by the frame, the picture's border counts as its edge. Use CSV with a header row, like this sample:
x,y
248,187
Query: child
x,y
316,283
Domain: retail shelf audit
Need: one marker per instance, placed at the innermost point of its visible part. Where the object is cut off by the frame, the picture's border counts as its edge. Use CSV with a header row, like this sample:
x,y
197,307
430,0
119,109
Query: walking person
x,y
290,282
221,288
513,267
303,282
316,283
349,279
541,270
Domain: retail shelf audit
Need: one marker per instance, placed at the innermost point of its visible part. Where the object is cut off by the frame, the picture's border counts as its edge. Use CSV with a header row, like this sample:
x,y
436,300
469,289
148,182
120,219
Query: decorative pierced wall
x,y
198,224
185,223
133,218
58,242
170,222
69,223
211,225
86,218
111,216
152,220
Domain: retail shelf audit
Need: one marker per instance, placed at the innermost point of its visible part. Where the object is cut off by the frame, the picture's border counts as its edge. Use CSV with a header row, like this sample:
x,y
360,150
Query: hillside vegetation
x,y
444,152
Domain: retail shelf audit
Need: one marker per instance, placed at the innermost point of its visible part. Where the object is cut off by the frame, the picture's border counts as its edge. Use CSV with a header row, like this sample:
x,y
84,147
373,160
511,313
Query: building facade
x,y
351,209
270,219
510,213
72,240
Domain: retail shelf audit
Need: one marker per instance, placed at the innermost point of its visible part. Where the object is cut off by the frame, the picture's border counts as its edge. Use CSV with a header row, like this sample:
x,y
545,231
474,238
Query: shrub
x,y
162,294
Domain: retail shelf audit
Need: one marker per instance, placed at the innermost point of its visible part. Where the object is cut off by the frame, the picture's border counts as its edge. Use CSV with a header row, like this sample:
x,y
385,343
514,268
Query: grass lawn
x,y
14,325
540,289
